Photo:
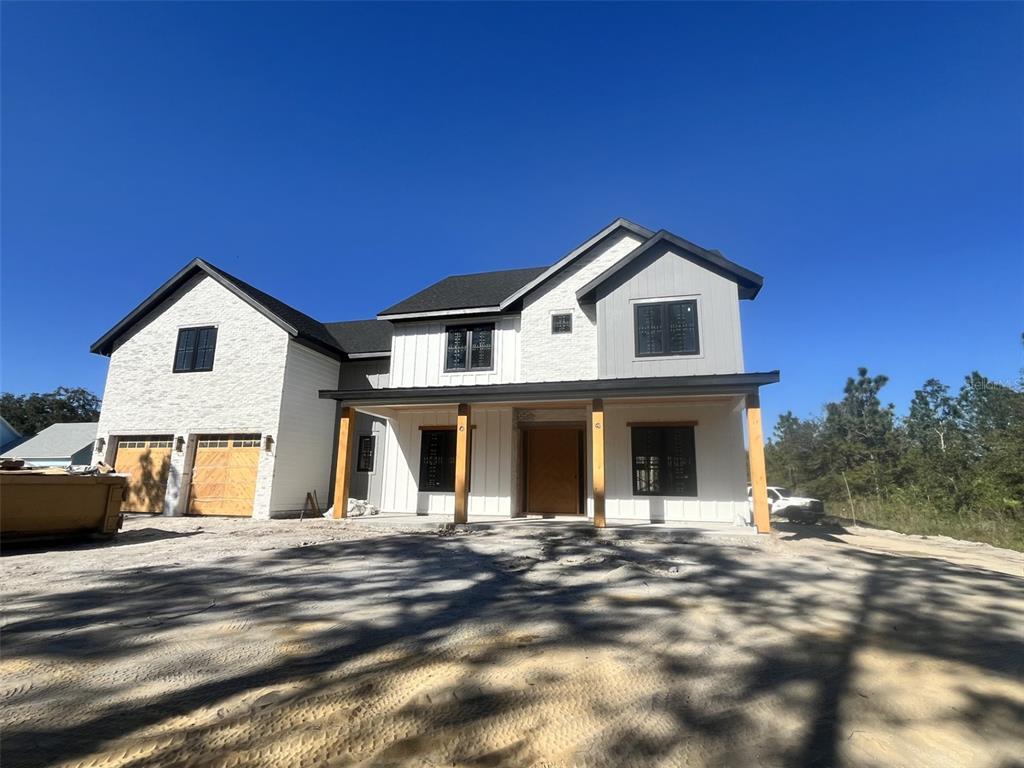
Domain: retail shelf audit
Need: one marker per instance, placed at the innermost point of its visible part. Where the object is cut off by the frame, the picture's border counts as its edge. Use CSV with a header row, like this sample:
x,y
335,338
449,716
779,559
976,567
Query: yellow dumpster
x,y
36,503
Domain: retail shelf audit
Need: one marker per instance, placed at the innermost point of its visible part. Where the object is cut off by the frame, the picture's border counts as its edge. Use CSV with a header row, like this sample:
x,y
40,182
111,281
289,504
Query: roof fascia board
x,y
734,383
426,315
619,223
662,237
164,292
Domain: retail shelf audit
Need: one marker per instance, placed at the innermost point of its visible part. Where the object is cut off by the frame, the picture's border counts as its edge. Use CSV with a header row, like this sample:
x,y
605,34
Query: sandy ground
x,y
228,642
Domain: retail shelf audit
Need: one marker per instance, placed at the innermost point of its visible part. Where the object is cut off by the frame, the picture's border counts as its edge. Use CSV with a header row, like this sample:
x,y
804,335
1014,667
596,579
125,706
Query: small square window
x,y
561,323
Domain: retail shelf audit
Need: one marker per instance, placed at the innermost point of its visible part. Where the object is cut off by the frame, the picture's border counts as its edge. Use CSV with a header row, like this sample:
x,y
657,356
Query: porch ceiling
x,y
662,386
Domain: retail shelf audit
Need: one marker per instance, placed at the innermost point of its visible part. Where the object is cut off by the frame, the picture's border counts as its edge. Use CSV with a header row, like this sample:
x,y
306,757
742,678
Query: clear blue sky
x,y
868,159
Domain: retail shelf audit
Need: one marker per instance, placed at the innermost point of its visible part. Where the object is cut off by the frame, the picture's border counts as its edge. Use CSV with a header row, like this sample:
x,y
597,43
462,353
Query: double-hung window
x,y
366,453
664,463
666,328
195,348
469,347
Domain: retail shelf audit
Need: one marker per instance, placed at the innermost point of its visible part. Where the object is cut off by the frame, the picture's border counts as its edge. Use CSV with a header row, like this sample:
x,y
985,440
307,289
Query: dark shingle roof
x,y
359,337
483,289
306,326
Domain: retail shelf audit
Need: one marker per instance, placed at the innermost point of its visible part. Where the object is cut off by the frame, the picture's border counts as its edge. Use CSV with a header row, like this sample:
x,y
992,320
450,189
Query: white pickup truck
x,y
783,504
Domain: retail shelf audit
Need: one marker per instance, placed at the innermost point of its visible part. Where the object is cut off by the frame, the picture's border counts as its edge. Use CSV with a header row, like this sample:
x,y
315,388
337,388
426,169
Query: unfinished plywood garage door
x,y
224,475
146,460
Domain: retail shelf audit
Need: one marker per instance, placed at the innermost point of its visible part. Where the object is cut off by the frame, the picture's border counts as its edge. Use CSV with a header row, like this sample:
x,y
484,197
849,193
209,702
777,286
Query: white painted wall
x,y
305,436
491,483
567,357
720,457
418,352
241,394
668,276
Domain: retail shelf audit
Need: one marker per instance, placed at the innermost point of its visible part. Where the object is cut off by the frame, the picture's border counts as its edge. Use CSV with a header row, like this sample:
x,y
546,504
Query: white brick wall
x,y
241,394
566,357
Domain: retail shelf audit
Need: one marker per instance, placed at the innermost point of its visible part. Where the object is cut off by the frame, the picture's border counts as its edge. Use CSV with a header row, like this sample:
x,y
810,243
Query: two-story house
x,y
610,384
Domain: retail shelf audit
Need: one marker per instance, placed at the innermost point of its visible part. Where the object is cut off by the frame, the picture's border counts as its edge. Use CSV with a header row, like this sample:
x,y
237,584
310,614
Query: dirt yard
x,y
227,642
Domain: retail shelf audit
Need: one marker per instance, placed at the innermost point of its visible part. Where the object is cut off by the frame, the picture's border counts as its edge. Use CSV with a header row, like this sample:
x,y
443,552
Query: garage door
x,y
224,475
146,460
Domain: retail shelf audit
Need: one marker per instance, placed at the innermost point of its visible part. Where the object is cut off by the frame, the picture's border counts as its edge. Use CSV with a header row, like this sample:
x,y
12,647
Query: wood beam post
x,y
758,475
342,473
597,460
462,465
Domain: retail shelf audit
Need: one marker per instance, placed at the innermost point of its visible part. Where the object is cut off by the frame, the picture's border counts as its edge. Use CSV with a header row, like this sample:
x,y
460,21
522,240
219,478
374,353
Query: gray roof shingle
x,y
57,441
482,289
360,337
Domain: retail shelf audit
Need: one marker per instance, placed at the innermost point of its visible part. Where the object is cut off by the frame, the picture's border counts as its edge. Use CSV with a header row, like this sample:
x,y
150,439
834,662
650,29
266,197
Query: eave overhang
x,y
661,386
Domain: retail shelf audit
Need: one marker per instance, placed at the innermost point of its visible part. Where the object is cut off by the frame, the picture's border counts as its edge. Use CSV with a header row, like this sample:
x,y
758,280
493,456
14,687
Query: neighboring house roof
x,y
363,338
9,436
480,291
57,441
749,283
300,325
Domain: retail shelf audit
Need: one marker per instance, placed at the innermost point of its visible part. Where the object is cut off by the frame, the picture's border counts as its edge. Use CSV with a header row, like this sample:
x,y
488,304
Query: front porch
x,y
648,453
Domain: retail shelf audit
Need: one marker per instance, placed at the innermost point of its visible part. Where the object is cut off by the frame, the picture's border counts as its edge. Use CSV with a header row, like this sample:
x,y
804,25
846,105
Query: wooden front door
x,y
224,475
146,460
553,471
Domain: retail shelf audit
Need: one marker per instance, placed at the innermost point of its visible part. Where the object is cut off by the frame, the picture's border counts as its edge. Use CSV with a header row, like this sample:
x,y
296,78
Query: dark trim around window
x,y
561,322
664,461
195,349
437,461
469,348
666,328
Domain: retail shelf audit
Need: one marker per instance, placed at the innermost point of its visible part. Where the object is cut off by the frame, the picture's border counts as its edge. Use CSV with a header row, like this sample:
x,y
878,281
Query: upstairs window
x,y
437,460
195,349
470,348
667,328
664,463
561,323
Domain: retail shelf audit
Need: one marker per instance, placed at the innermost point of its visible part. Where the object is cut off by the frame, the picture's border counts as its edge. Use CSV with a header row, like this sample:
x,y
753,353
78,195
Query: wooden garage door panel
x,y
147,463
224,477
553,482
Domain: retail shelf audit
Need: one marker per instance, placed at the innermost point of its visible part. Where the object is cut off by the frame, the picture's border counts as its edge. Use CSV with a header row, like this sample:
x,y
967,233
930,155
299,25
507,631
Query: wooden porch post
x,y
758,475
597,458
462,465
342,475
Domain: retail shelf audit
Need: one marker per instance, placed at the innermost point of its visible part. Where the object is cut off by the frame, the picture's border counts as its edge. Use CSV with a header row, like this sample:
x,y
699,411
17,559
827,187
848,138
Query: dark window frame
x,y
195,349
554,328
442,486
666,342
469,332
651,453
360,455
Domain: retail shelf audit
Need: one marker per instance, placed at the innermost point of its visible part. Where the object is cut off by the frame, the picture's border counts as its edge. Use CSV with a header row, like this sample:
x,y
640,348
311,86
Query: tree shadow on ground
x,y
475,647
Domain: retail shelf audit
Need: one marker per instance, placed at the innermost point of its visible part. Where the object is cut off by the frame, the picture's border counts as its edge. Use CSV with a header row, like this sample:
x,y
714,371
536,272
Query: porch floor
x,y
412,521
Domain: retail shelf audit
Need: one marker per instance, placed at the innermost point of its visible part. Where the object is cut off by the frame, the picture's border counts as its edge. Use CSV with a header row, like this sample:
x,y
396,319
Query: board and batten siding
x,y
418,352
305,437
368,486
490,491
668,276
719,455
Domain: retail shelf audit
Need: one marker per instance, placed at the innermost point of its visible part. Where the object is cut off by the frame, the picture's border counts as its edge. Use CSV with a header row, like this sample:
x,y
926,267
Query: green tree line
x,y
954,465
32,413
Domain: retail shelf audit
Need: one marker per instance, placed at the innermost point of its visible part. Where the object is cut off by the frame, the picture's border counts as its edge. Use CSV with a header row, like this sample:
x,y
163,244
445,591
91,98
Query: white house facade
x,y
609,385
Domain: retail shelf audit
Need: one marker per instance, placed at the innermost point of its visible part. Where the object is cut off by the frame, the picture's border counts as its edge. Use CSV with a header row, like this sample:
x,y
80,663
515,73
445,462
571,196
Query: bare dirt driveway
x,y
230,642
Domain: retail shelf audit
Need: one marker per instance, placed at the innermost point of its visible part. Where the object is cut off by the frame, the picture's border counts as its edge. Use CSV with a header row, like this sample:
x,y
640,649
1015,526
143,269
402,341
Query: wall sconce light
x,y
268,443
100,445
179,444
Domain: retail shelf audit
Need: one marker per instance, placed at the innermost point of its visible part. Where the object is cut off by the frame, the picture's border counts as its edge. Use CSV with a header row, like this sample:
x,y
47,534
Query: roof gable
x,y
748,282
300,325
